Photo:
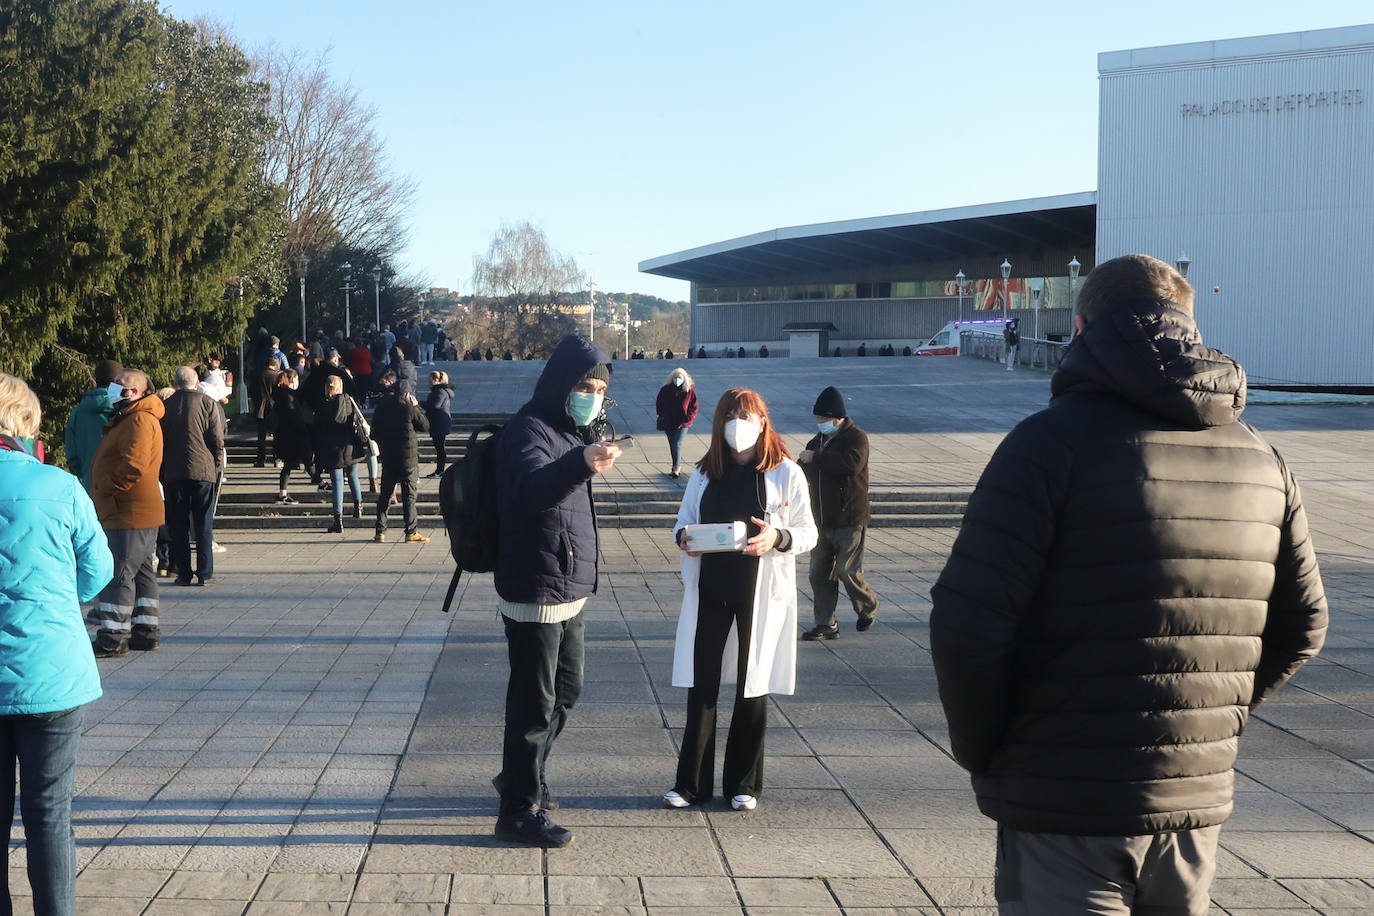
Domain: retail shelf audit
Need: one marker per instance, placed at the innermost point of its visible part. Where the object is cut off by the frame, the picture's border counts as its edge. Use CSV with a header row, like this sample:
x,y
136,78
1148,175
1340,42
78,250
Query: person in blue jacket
x,y
545,571
55,556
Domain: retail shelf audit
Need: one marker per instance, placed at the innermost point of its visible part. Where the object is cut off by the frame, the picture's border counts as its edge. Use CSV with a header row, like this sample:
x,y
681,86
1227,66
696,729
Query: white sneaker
x,y
744,803
216,548
671,799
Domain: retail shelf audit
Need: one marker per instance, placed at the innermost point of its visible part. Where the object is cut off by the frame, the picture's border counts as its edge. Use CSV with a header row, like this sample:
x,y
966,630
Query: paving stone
x,y
1250,893
945,853
116,882
638,851
208,885
521,890
794,852
410,888
1327,894
312,888
878,892
785,892
1302,855
575,891
665,891
295,908
433,850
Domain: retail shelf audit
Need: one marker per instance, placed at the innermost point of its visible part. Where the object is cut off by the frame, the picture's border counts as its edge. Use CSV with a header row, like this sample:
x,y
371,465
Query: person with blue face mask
x,y
836,466
86,425
546,569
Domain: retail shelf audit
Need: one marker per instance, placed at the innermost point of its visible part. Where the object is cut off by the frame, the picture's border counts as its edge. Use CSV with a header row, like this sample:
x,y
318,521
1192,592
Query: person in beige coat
x,y
739,608
128,501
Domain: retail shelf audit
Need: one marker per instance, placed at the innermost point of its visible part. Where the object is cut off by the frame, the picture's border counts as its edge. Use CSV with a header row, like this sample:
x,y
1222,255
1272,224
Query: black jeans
x,y
409,479
440,451
696,763
675,437
190,505
546,661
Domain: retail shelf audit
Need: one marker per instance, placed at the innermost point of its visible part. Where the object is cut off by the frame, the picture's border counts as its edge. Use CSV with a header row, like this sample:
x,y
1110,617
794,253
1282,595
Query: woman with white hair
x,y
55,556
677,409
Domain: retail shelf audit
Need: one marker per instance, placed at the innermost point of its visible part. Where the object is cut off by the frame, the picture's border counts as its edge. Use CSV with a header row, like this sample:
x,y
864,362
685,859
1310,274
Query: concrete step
x,y
318,518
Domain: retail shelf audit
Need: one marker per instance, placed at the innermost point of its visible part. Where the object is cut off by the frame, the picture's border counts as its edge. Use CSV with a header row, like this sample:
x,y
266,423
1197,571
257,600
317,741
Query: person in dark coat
x,y
395,422
676,406
291,436
407,379
545,571
313,388
339,445
1133,577
261,387
439,412
836,466
1011,338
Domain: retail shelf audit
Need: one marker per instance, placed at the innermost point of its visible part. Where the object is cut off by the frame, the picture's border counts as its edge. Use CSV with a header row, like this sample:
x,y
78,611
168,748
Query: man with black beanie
x,y
836,465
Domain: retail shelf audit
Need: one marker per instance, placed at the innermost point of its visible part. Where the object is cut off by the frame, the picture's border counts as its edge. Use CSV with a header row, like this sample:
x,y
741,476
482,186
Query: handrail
x,y
1033,352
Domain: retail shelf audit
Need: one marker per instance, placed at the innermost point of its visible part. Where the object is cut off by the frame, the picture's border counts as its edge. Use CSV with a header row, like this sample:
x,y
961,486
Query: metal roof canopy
x,y
982,231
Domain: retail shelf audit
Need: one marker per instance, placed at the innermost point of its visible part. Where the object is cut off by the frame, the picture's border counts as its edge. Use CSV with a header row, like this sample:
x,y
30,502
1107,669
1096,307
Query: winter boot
x,y
335,525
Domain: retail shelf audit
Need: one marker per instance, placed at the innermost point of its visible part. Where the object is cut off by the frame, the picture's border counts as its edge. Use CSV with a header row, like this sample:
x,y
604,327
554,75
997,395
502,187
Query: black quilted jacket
x,y
1132,577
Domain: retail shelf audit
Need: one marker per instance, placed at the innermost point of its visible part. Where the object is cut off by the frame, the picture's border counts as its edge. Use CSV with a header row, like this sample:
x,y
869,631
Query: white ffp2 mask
x,y
741,435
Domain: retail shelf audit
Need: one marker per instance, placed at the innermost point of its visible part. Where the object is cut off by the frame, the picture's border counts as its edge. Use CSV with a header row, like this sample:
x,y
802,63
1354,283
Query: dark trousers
x,y
546,662
132,596
696,763
44,746
839,557
190,513
1045,874
409,479
440,451
262,441
675,437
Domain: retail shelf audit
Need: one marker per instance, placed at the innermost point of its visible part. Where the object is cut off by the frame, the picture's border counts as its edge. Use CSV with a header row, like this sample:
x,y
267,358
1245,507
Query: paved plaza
x,y
315,737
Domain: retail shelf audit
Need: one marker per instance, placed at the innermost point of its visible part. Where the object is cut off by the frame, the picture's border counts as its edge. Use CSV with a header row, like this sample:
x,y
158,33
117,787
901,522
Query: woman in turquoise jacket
x,y
53,555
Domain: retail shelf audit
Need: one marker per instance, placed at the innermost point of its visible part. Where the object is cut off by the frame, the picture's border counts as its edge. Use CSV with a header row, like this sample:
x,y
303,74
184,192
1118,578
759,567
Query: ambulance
x,y
946,342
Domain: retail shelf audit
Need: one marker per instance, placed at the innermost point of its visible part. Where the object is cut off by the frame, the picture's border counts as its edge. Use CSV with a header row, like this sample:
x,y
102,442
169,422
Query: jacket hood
x,y
149,403
1151,353
571,361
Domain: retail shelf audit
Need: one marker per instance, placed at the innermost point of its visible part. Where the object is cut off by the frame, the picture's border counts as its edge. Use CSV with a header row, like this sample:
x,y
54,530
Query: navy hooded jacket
x,y
544,494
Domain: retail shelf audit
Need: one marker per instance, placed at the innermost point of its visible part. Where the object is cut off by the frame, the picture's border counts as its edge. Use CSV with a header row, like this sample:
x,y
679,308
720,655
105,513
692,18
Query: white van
x,y
946,342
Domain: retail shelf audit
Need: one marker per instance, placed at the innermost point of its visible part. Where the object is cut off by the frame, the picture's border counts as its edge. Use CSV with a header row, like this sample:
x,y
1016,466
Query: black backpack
x,y
467,501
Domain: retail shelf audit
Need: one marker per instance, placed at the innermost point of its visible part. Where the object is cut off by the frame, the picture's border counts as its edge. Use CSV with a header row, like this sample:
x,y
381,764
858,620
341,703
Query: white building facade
x,y
1253,157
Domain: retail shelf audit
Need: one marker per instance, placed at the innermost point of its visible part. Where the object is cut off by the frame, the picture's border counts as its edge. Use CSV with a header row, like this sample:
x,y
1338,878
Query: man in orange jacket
x,y
124,487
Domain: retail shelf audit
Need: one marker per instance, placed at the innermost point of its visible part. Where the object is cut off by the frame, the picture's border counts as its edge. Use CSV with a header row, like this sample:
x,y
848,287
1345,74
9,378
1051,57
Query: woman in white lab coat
x,y
739,608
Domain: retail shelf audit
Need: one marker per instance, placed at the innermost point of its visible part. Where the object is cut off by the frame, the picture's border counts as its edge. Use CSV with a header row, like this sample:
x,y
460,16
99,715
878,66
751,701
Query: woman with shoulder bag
x,y
739,606
340,448
676,406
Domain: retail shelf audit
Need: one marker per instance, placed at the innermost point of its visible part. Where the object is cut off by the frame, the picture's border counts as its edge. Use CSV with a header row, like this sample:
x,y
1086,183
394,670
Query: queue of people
x,y
1084,594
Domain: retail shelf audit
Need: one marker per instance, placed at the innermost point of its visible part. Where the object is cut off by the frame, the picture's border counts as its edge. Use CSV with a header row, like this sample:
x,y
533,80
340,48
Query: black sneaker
x,y
180,581
864,623
119,650
818,633
533,828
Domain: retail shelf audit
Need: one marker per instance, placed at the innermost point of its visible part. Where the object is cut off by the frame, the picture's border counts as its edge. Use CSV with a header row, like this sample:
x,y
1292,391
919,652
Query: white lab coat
x,y
773,647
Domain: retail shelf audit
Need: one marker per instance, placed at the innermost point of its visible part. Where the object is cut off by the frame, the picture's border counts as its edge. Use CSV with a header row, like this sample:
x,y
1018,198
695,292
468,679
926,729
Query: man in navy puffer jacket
x,y
1133,577
545,572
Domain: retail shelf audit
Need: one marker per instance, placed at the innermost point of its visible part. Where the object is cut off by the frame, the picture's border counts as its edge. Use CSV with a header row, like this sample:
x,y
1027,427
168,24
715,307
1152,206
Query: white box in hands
x,y
716,538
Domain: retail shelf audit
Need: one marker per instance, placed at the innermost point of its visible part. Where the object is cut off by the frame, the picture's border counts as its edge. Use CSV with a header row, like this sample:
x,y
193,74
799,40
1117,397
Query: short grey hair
x,y
186,378
20,413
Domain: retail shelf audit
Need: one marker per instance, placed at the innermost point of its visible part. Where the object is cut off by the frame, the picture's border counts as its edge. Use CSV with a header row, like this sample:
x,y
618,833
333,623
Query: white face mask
x,y
741,435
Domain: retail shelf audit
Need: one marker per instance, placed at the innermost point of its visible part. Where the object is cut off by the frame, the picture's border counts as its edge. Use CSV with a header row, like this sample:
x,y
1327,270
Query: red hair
x,y
770,448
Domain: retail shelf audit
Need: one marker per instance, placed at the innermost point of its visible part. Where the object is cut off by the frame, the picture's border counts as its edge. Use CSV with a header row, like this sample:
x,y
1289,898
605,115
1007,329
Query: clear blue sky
x,y
628,130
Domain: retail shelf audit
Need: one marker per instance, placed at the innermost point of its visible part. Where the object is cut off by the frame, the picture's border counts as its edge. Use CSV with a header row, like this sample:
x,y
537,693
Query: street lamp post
x,y
959,290
377,297
627,329
243,370
302,262
591,310
1035,300
1006,295
1182,265
348,304
1074,267
422,307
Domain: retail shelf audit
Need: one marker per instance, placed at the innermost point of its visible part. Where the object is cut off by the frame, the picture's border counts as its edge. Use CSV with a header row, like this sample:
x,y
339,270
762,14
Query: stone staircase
x,y
248,498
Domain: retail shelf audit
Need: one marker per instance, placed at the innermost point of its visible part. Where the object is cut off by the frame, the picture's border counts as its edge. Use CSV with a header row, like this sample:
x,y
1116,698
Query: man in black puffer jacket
x,y
395,422
1133,576
545,571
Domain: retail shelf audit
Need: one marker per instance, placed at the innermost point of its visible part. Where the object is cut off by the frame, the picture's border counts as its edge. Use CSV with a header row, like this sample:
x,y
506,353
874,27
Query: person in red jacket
x,y
677,410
